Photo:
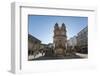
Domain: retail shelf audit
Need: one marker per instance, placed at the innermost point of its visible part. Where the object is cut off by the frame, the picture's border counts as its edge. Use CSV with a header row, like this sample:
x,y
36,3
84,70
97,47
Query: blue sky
x,y
42,27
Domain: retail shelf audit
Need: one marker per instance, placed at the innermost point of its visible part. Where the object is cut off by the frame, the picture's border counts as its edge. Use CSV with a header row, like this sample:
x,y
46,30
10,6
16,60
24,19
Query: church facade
x,y
60,40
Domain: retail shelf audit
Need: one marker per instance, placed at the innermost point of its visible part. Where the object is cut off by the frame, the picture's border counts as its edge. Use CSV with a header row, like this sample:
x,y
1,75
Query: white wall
x,y
5,33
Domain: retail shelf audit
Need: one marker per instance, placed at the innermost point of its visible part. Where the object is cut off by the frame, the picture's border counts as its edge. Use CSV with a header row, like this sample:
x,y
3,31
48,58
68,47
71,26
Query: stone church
x,y
60,40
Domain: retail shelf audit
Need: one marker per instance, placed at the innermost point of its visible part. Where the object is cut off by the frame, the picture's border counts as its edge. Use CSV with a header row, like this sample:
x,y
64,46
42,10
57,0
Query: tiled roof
x,y
33,38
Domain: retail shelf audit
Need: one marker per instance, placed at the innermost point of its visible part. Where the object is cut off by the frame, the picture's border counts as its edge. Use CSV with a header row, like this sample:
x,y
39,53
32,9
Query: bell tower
x,y
60,40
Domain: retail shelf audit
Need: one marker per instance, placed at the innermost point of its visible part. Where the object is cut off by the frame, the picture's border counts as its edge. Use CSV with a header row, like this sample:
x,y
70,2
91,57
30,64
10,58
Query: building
x,y
60,40
82,40
47,49
50,45
42,46
33,44
72,42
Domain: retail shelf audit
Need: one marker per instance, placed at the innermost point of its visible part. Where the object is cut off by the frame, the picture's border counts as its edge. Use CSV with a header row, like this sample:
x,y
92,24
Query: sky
x,y
42,26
